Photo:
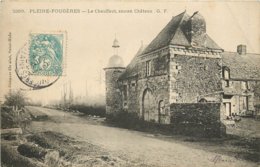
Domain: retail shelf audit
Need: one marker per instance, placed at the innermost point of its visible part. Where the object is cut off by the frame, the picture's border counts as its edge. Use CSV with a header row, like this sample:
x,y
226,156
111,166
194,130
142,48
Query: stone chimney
x,y
241,49
195,29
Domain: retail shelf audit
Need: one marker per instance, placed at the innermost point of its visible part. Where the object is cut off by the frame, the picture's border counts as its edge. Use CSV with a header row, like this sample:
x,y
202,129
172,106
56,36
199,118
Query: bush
x,y
125,119
89,110
16,99
31,151
128,120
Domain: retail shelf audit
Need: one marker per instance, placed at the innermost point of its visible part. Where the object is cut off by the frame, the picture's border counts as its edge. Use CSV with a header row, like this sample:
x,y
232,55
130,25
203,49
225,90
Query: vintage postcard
x,y
154,83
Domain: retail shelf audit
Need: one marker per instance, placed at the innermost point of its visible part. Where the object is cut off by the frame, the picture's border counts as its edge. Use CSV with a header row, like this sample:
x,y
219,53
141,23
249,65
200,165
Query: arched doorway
x,y
148,108
161,111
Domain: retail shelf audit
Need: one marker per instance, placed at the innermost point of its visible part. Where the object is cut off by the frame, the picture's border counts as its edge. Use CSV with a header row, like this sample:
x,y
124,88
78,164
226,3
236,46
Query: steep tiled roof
x,y
132,69
167,33
173,34
242,66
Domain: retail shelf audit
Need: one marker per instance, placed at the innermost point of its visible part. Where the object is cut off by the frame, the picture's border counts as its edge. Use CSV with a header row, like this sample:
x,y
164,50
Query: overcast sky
x,y
90,36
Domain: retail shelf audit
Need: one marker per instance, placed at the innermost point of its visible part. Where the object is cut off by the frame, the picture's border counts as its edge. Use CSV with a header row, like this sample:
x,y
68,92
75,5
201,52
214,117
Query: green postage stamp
x,y
40,62
46,54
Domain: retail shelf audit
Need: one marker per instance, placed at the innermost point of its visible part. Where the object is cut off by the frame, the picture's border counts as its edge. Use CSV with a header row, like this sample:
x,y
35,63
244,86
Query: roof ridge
x,y
180,13
238,54
130,68
165,28
182,16
242,66
139,52
178,25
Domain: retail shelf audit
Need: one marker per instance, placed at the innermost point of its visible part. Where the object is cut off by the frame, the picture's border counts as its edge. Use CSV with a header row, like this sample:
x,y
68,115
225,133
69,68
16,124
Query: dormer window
x,y
226,73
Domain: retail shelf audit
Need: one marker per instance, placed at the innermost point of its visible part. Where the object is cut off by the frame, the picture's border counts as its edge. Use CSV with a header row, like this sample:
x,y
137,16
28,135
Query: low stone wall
x,y
196,119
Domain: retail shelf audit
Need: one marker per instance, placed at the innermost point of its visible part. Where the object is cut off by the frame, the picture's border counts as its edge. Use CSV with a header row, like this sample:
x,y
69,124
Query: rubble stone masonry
x,y
193,76
113,94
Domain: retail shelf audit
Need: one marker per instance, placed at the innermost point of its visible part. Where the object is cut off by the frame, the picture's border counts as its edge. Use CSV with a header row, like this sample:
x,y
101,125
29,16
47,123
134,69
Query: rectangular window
x,y
228,109
244,85
245,103
226,74
148,68
125,92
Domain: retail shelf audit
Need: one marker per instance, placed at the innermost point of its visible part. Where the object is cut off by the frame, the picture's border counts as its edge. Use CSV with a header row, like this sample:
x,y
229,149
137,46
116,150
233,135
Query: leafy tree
x,y
16,99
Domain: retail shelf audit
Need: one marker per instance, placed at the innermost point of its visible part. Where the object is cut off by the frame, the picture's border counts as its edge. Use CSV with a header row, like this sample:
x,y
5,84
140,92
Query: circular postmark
x,y
39,63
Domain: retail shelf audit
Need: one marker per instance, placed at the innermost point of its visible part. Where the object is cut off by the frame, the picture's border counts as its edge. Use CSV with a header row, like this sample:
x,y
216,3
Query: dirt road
x,y
141,149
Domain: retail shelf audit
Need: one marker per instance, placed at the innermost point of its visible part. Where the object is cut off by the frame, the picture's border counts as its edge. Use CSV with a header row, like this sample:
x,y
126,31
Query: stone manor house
x,y
182,66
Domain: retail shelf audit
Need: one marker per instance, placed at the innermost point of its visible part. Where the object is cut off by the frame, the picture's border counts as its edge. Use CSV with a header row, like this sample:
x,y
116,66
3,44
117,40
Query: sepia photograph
x,y
123,83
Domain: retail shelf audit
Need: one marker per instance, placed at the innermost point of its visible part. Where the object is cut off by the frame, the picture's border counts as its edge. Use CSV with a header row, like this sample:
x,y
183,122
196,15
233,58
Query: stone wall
x,y
192,77
174,78
159,87
159,66
157,83
113,93
130,104
196,119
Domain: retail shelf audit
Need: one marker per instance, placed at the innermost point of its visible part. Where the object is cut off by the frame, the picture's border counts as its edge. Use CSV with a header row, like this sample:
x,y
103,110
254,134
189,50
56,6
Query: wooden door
x,y
149,106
